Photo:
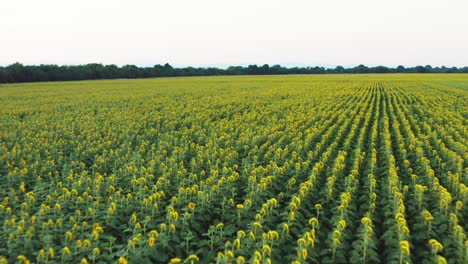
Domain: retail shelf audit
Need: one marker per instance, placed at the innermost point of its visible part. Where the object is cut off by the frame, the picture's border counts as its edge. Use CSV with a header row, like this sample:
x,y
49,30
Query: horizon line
x,y
225,66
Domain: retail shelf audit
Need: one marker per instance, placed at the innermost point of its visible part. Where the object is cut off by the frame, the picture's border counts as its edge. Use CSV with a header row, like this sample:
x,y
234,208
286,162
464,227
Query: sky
x,y
241,32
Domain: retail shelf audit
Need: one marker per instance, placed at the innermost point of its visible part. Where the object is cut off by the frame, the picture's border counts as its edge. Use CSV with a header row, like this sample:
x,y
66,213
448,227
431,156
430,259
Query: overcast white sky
x,y
237,32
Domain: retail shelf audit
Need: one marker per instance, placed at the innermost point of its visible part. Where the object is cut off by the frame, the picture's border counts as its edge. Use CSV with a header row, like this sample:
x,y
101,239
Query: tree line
x,y
18,72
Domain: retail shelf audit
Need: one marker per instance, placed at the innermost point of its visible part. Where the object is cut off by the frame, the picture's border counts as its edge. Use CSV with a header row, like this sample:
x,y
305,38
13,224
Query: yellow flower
x,y
175,261
301,242
237,243
66,250
51,252
191,206
122,260
336,233
96,251
292,216
23,259
266,250
151,242
87,243
95,235
22,187
342,223
258,255
174,215
69,235
313,222
84,261
42,254
293,206
193,257
133,218
172,228
304,254
336,241
273,235
366,221
405,247
441,260
240,206
427,216
257,225
240,260
311,242
436,245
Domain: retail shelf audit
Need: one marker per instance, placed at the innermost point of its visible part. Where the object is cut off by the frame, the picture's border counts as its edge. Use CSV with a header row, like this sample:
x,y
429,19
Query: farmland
x,y
258,169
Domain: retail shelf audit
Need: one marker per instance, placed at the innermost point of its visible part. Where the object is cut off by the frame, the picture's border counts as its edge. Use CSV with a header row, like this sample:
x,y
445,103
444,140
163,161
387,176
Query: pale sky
x,y
237,32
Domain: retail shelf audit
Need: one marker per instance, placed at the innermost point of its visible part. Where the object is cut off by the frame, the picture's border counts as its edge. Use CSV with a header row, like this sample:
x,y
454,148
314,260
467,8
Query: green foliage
x,y
280,169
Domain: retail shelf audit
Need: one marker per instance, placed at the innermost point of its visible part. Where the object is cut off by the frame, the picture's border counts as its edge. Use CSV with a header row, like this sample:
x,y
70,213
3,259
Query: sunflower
x,y
191,206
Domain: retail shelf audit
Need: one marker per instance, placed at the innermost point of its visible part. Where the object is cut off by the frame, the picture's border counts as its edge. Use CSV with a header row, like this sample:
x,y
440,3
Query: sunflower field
x,y
258,169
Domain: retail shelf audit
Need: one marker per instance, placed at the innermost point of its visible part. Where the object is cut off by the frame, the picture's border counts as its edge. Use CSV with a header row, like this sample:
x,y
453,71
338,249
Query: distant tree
x,y
111,71
168,70
381,69
234,70
265,69
339,69
420,69
165,70
157,70
452,70
400,68
276,69
130,71
95,71
428,68
252,69
18,72
361,69
318,70
3,75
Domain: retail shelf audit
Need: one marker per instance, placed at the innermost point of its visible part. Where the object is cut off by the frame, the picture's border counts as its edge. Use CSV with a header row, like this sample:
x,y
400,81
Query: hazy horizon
x,y
223,66
210,33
